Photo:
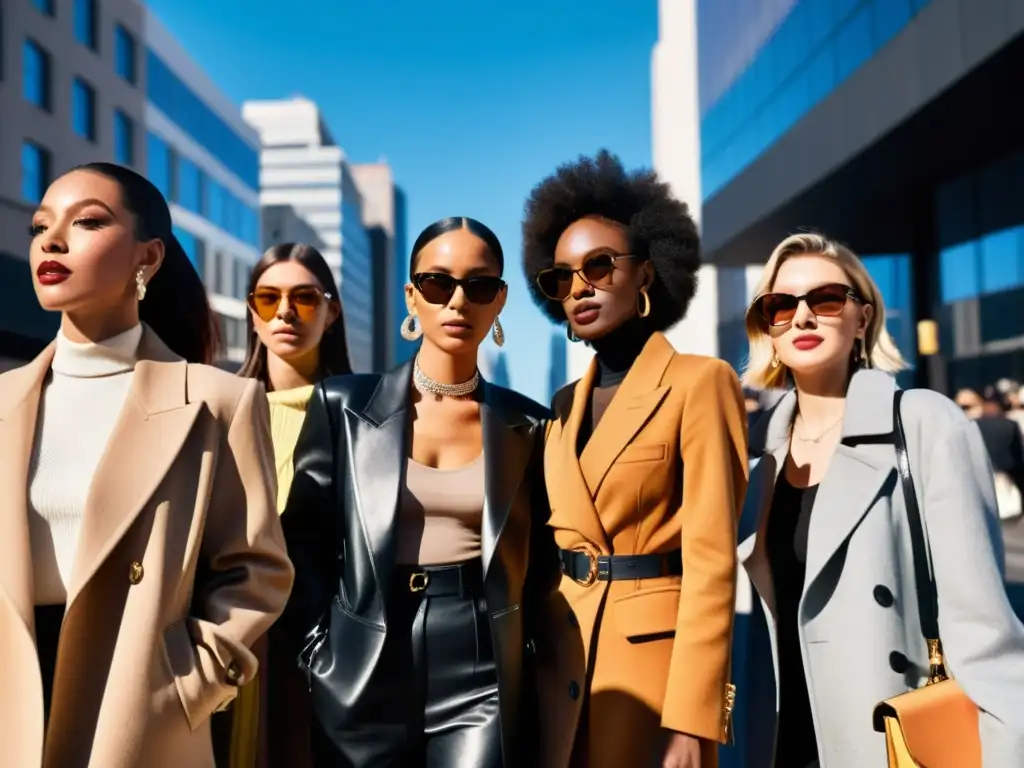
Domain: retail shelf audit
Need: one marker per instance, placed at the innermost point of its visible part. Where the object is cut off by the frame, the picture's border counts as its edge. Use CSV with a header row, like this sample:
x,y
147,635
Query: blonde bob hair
x,y
880,350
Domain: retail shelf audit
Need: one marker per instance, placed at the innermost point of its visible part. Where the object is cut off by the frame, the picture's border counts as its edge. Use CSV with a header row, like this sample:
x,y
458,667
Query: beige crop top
x,y
440,513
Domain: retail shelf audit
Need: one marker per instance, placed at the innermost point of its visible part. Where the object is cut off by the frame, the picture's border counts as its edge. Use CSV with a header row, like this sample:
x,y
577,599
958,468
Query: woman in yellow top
x,y
296,338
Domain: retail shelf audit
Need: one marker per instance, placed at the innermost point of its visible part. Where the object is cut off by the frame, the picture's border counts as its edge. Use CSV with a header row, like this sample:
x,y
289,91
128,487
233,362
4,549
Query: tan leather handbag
x,y
935,726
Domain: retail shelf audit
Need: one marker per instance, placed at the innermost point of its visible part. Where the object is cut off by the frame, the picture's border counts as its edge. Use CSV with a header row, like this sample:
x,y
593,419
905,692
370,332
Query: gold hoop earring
x,y
140,284
644,309
498,333
570,335
410,329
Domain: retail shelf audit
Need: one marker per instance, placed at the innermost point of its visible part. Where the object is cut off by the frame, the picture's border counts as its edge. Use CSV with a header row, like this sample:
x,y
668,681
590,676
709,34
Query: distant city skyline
x,y
521,108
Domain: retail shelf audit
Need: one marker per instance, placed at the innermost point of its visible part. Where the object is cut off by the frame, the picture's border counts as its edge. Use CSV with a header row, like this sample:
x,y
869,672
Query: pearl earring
x,y
140,284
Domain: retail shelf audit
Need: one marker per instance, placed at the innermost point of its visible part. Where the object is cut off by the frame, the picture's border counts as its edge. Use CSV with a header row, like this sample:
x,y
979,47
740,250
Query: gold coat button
x,y
234,673
135,572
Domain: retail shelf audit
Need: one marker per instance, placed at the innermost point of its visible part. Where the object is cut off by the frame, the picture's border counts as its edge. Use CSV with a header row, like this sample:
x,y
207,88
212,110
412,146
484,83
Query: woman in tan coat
x,y
140,551
645,466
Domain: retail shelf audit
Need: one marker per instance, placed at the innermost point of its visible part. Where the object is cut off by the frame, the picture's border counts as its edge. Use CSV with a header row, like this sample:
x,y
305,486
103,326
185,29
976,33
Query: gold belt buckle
x,y
591,576
419,581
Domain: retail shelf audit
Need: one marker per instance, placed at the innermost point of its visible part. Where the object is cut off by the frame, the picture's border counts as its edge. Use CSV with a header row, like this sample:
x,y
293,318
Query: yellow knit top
x,y
287,412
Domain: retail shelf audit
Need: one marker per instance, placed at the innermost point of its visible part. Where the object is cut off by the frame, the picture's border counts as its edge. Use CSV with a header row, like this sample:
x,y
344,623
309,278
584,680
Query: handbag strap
x,y
927,594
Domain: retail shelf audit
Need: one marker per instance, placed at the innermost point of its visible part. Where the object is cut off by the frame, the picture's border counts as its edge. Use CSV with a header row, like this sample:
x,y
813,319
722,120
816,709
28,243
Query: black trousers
x,y
432,701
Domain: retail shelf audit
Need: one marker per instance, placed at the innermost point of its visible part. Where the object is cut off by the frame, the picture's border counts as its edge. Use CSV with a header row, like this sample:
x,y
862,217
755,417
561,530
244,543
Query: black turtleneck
x,y
617,351
615,354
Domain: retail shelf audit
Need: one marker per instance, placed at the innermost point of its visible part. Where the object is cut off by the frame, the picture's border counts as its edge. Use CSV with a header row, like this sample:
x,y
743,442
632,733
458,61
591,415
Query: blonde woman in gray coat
x,y
824,534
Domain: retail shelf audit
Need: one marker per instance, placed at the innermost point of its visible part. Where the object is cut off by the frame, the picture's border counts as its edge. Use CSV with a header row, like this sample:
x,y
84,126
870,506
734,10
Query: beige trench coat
x,y
181,566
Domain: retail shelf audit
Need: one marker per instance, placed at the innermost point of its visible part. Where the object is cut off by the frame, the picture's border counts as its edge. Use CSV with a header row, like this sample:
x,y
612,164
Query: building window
x,y
83,109
44,7
35,171
159,163
124,54
85,23
36,75
124,139
187,190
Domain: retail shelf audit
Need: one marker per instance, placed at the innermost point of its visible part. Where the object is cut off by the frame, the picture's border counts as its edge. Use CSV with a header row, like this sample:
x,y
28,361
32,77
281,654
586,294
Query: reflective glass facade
x,y
817,46
36,74
44,6
194,248
83,109
181,181
356,285
980,222
179,103
893,275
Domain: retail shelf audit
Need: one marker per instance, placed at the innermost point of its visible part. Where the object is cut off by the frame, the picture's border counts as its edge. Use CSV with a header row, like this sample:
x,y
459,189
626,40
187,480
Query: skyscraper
x,y
384,217
302,166
205,159
105,81
558,365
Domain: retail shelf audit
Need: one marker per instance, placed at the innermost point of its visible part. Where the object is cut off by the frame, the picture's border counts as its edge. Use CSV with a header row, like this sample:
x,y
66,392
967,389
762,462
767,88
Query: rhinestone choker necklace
x,y
428,386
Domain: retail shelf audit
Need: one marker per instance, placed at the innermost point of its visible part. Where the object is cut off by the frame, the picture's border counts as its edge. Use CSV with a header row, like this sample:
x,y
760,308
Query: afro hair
x,y
660,229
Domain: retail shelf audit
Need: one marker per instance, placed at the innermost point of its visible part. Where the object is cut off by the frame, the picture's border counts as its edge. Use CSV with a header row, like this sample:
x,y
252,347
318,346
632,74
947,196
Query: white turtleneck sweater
x,y
80,404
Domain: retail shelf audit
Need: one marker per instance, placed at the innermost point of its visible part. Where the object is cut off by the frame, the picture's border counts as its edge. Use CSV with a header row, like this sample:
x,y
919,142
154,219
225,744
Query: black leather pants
x,y
433,699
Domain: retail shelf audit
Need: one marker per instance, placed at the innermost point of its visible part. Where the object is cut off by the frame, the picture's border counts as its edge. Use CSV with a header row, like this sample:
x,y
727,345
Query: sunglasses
x,y
824,301
438,288
305,301
556,282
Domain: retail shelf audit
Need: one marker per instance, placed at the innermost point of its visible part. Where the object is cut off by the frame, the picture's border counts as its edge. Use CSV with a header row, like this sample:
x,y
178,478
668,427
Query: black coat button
x,y
573,621
898,662
574,690
883,596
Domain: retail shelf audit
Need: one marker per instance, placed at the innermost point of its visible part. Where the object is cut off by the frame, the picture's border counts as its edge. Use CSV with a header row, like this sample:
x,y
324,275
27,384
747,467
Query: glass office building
x,y
205,159
887,124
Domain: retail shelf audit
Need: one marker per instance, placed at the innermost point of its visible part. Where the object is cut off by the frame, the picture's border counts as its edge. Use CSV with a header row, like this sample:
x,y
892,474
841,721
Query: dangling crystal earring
x,y
410,330
140,284
775,361
498,333
570,335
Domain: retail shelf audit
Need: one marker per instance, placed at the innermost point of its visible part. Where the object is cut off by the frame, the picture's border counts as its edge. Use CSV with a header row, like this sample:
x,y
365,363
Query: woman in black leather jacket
x,y
410,519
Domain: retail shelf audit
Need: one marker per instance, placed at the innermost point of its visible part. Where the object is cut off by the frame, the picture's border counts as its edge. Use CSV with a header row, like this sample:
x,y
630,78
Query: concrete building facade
x,y
71,91
302,166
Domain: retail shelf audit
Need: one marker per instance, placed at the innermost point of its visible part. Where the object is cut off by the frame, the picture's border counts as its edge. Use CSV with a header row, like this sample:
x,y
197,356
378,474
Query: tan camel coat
x,y
181,566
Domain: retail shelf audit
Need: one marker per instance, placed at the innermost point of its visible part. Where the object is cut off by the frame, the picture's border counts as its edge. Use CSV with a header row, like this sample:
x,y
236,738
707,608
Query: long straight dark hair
x,y
176,305
334,359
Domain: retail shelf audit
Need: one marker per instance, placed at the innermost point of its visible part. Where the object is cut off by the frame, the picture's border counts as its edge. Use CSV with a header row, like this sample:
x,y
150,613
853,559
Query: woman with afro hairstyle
x,y
646,469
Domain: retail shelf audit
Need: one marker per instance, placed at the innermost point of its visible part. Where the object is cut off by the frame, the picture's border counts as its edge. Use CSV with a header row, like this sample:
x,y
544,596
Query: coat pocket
x,y
647,614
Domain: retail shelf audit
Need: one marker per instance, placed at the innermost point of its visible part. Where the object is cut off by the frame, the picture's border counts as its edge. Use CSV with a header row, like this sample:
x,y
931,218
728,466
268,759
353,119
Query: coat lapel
x,y
379,434
862,469
506,453
572,505
152,427
19,409
638,397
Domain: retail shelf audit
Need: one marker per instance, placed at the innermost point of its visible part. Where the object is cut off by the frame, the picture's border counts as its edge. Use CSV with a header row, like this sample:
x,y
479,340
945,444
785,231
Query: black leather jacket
x,y
340,526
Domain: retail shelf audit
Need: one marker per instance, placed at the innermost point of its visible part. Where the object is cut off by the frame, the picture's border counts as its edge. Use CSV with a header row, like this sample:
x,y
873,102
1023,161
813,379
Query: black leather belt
x,y
585,568
459,579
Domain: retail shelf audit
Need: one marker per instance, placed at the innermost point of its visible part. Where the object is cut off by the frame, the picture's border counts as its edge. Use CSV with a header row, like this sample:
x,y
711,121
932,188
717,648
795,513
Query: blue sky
x,y
471,107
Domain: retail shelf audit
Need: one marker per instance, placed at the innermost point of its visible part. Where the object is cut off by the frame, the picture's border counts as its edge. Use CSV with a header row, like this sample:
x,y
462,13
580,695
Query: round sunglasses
x,y
556,282
305,301
438,287
824,301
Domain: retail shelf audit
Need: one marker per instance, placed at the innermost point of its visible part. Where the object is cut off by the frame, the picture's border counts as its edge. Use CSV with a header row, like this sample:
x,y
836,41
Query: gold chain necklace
x,y
818,438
